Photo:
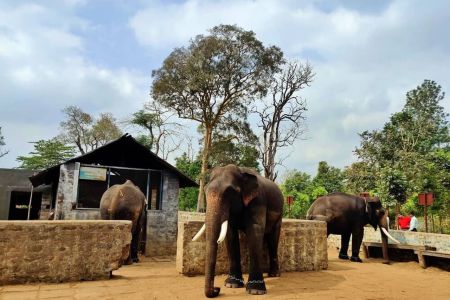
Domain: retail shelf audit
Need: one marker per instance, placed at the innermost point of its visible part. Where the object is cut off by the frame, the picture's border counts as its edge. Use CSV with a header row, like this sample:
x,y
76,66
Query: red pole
x,y
425,214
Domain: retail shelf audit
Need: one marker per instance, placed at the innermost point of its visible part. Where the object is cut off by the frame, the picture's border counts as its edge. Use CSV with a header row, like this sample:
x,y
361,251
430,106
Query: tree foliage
x,y
188,196
305,190
409,155
329,177
47,153
214,79
84,132
281,115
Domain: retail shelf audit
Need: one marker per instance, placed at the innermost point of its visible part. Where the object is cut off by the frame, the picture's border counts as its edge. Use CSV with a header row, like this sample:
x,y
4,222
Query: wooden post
x,y
29,203
425,215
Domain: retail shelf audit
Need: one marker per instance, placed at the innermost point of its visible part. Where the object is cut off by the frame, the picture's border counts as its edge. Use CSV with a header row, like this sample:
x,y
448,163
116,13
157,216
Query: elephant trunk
x,y
384,239
212,231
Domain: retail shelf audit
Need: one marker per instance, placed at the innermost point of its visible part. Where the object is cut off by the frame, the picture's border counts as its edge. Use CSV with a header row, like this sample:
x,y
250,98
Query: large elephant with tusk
x,y
347,215
240,199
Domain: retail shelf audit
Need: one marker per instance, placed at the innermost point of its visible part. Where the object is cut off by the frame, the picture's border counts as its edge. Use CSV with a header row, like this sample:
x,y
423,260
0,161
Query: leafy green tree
x,y
358,178
213,80
318,191
329,177
188,196
2,143
407,155
392,186
47,153
234,145
295,182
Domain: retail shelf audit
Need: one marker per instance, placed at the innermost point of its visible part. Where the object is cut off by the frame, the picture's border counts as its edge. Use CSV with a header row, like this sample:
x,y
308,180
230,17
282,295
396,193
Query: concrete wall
x,y
56,251
161,224
440,241
303,247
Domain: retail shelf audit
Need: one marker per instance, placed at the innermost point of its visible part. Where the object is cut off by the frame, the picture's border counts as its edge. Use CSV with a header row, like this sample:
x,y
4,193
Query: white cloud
x,y
365,61
43,68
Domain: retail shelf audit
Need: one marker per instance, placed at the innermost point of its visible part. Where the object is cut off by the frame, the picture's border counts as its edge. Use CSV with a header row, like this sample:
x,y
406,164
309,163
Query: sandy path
x,y
158,279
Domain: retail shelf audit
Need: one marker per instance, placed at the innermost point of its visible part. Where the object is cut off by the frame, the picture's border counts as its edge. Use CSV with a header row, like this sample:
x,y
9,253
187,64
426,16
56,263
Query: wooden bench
x,y
421,254
415,248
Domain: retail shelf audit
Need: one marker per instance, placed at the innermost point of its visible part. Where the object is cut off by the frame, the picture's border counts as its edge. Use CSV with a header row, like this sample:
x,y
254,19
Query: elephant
x,y
347,215
125,202
238,198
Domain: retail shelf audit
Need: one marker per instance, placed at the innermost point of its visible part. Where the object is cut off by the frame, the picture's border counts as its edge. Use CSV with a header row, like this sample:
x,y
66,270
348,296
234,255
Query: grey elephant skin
x,y
239,199
347,215
125,202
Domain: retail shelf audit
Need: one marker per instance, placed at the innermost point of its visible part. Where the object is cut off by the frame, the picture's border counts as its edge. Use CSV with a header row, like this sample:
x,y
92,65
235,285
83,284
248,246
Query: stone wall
x,y
56,251
303,247
162,224
440,241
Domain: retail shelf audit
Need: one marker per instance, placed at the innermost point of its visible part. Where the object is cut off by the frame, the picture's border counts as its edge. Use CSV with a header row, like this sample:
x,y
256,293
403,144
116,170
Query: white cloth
x,y
413,223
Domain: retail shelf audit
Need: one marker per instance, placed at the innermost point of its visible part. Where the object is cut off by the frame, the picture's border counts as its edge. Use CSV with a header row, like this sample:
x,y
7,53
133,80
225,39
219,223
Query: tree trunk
x,y
205,156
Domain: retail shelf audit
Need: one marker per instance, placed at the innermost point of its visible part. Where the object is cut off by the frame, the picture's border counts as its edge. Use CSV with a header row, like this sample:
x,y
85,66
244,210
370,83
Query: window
x,y
154,197
94,181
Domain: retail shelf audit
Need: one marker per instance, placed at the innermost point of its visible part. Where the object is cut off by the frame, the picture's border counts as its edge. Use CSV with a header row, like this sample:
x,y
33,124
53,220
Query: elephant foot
x,y
256,287
386,262
234,281
355,259
212,293
129,261
343,256
274,270
135,260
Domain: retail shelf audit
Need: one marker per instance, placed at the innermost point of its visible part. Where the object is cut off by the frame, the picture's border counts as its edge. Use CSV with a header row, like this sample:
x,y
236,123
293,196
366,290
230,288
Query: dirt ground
x,y
158,279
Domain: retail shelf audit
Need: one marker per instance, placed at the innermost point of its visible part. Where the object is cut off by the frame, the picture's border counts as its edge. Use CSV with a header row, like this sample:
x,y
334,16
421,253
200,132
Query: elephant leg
x,y
254,230
134,246
234,279
273,239
357,237
345,239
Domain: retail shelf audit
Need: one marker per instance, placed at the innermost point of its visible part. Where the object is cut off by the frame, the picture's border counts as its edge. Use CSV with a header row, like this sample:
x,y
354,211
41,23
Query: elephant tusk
x,y
388,235
199,233
223,232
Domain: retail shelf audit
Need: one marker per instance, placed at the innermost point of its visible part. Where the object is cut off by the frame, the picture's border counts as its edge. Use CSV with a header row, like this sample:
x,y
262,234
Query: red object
x,y
364,194
426,199
403,222
290,200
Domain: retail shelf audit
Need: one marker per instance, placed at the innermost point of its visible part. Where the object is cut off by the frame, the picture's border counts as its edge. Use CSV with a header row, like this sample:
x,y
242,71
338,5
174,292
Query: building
x,y
15,194
78,184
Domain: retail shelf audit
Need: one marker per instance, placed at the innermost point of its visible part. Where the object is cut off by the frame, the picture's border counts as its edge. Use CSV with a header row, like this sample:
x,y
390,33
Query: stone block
x,y
57,251
303,247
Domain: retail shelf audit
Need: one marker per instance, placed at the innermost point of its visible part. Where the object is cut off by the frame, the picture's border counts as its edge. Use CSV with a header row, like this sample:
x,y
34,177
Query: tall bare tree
x,y
281,116
86,133
163,135
214,79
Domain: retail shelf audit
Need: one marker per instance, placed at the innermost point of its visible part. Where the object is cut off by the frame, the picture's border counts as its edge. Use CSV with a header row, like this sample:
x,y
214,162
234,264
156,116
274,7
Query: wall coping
x,y
63,222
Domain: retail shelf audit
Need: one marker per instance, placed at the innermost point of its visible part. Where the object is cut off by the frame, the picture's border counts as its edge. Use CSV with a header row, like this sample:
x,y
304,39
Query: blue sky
x,y
99,55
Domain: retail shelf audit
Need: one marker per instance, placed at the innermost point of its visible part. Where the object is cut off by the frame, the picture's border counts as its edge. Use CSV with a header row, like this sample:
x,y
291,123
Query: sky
x,y
99,55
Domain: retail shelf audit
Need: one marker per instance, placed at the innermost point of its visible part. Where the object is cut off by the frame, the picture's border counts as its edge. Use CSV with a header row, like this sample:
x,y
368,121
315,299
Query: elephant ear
x,y
249,186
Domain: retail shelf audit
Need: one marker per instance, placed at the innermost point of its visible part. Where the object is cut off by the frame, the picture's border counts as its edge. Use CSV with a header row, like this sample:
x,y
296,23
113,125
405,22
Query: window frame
x,y
108,181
